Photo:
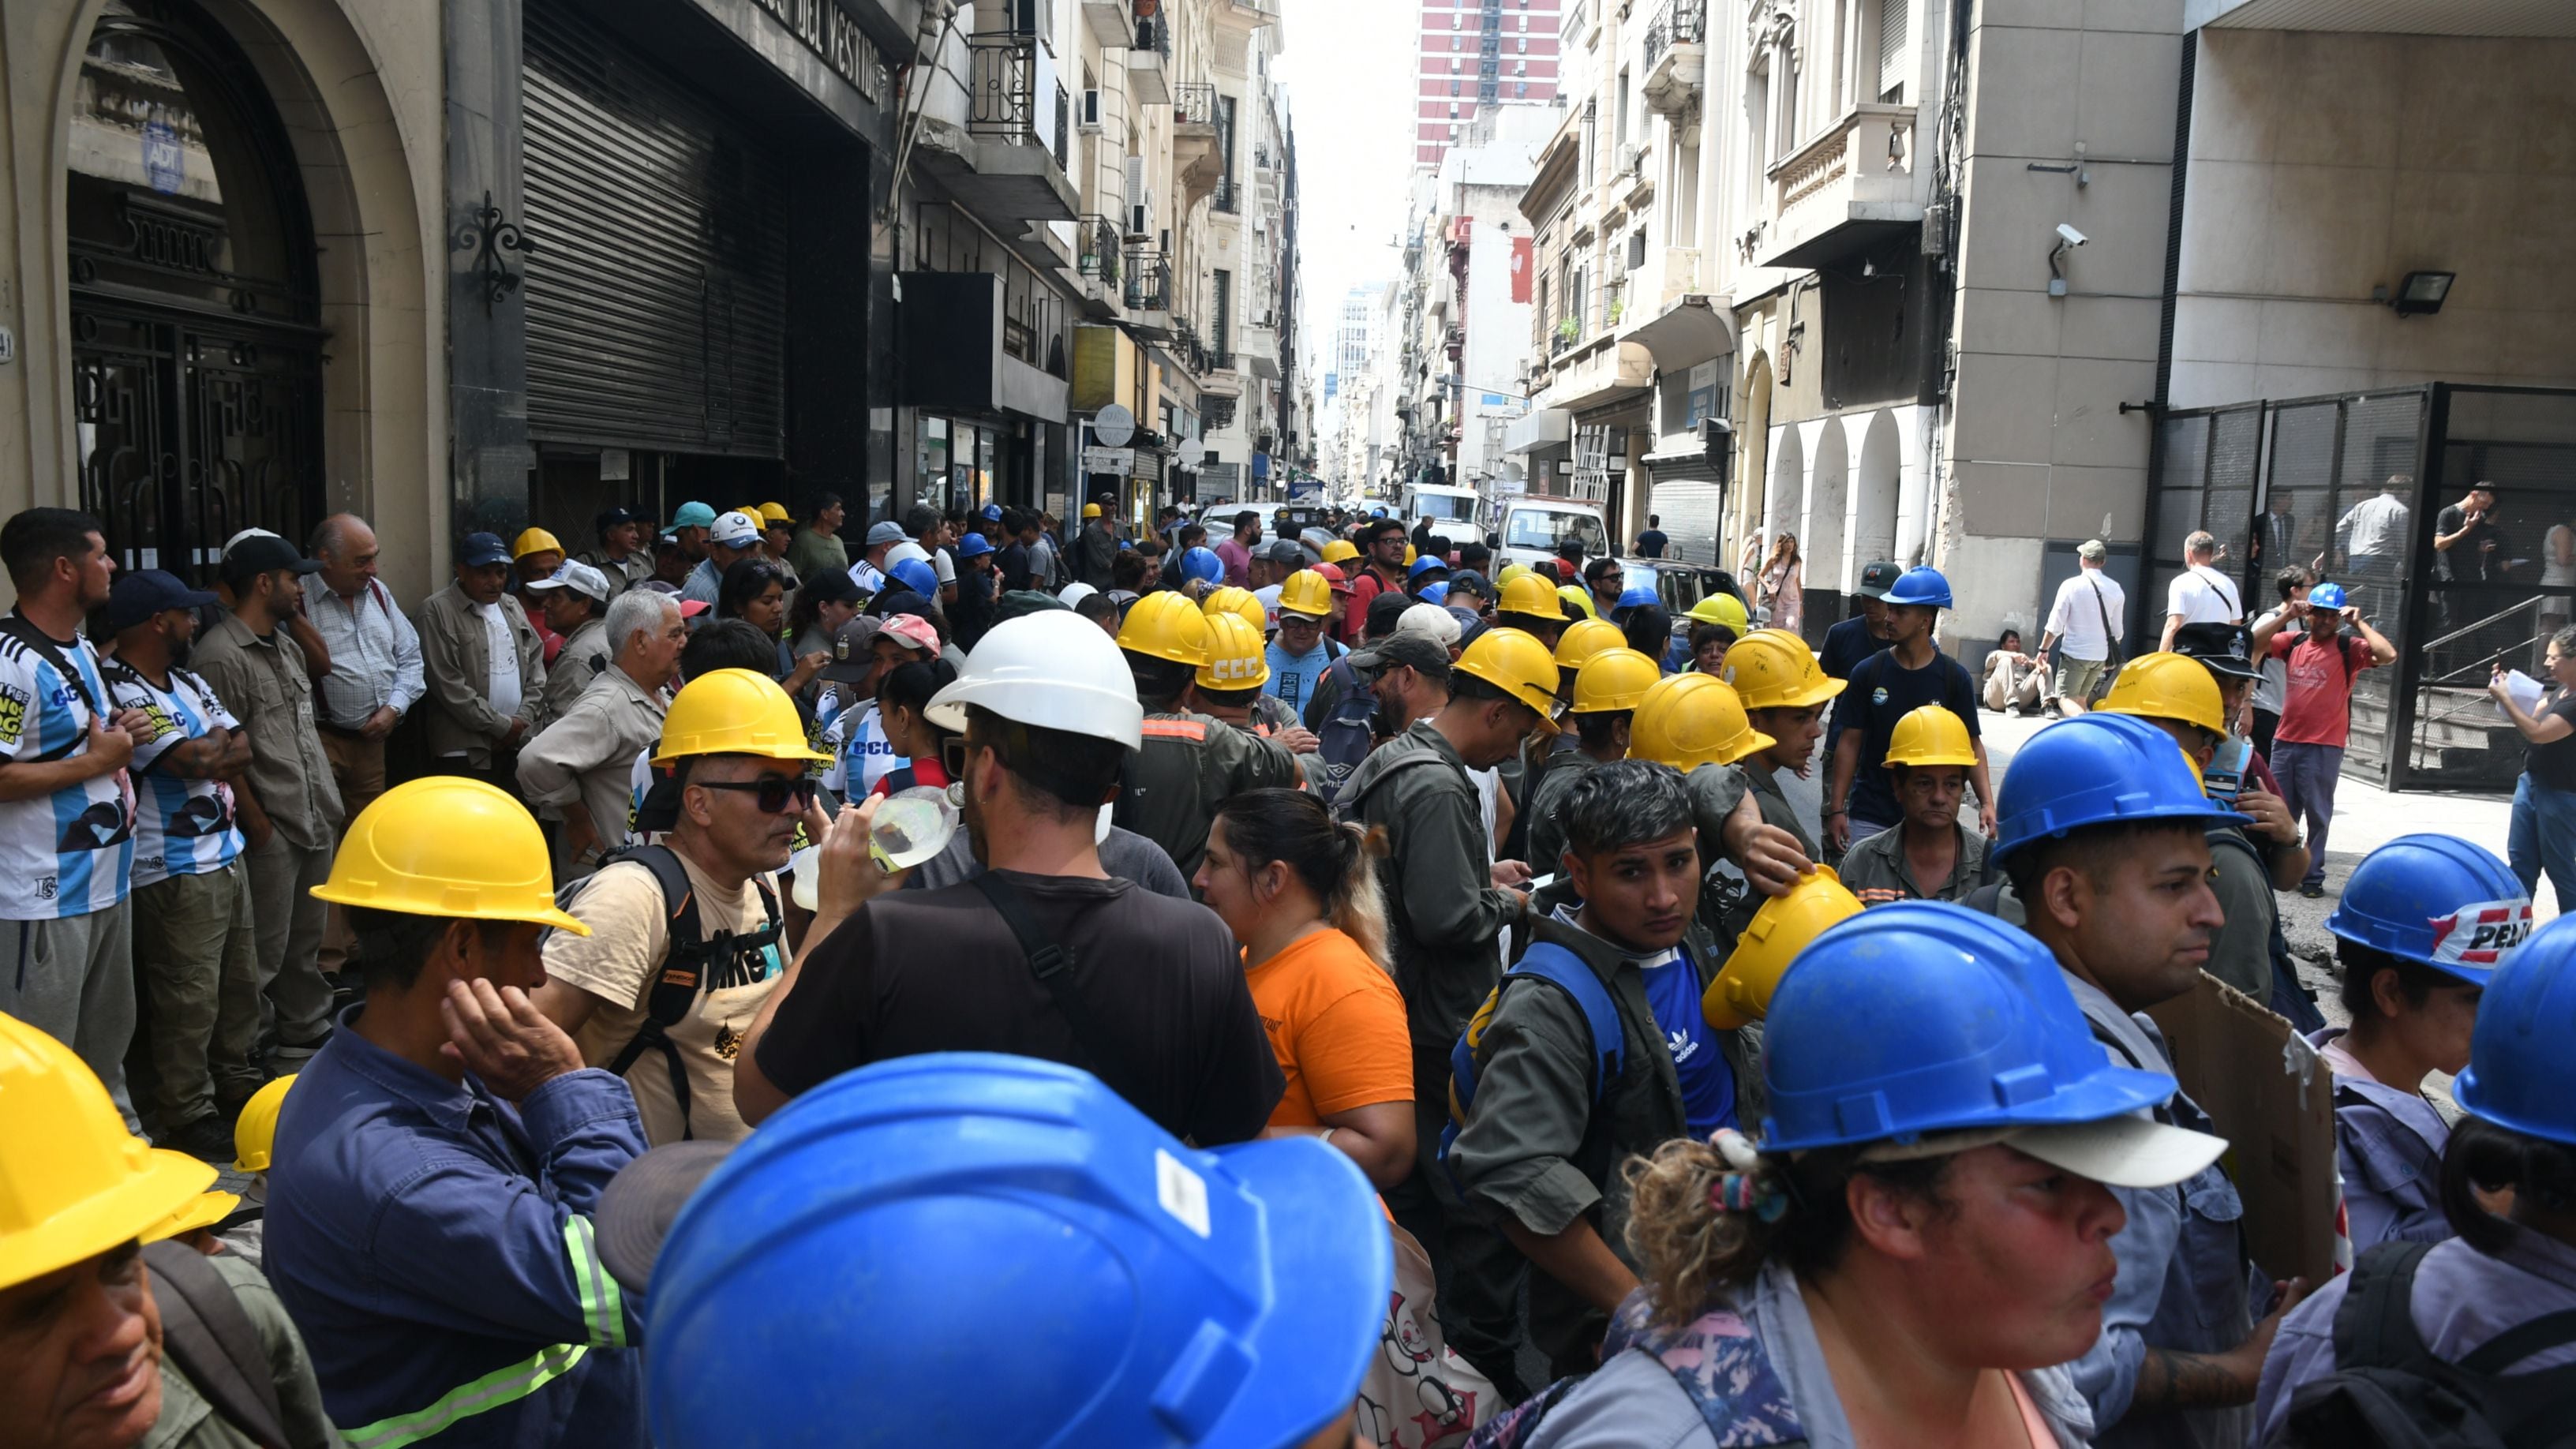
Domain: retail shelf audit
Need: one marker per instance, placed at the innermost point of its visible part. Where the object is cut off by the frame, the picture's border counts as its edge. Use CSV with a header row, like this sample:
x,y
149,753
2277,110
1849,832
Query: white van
x,y
1532,526
1452,511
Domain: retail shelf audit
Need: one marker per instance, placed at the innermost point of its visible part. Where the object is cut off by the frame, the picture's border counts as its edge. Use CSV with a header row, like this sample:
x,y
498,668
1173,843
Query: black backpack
x,y
694,963
2388,1391
1346,733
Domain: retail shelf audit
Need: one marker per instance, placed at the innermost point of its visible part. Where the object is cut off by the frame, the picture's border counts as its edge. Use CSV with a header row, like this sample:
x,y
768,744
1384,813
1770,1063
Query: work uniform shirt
x,y
2181,1281
1875,869
265,682
1190,765
810,555
71,852
584,658
1546,820
189,1421
2463,1299
456,639
622,573
183,825
2389,1143
587,754
435,1246
1882,692
1160,981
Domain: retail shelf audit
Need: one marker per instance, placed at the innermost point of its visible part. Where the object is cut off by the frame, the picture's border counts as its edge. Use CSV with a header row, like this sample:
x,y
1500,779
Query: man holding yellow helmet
x,y
436,1168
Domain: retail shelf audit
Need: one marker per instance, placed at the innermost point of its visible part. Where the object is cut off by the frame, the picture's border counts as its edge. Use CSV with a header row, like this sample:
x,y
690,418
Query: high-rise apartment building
x,y
1358,331
1479,52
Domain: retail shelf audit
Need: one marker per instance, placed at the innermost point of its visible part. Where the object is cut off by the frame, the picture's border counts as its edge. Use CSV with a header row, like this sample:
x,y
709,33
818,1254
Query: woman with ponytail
x,y
1300,892
1919,1241
2498,1299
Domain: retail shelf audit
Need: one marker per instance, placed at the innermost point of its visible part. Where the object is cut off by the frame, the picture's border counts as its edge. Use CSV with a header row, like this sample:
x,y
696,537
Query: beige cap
x,y
2133,1152
2093,549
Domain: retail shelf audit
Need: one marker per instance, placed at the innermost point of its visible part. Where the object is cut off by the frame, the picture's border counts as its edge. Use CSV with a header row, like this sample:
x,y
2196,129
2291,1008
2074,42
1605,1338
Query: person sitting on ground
x,y
1929,855
2419,934
1545,1122
111,1337
2014,680
1301,893
2497,1300
1837,1281
440,1159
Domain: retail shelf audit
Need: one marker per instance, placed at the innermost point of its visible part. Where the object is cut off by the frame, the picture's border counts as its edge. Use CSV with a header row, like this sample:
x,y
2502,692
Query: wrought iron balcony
x,y
1149,61
1149,280
1228,195
1097,239
1002,99
1676,55
1194,103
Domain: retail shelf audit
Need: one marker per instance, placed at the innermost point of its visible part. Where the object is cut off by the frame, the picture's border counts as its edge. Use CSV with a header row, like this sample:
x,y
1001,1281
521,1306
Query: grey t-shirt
x,y
1124,854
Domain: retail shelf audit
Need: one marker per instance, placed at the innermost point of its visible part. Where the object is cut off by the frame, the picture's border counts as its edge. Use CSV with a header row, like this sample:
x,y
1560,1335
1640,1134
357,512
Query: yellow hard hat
x,y
2168,686
1586,638
1690,720
733,712
202,1211
1241,603
1614,679
1928,736
1509,572
1091,510
255,1130
1410,555
1781,929
1774,669
73,1182
1579,598
1519,665
444,845
1340,550
1724,609
1166,625
1305,592
776,513
1527,593
1235,654
535,540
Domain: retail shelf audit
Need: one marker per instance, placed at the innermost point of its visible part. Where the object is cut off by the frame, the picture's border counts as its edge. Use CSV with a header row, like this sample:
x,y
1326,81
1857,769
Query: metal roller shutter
x,y
1688,500
657,294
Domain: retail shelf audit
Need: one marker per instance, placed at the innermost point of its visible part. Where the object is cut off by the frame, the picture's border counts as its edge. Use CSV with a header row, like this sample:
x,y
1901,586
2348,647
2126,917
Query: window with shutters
x,y
1893,56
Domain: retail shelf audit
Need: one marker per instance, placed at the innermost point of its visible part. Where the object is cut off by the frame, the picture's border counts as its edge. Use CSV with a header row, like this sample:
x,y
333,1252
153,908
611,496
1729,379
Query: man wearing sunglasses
x,y
685,942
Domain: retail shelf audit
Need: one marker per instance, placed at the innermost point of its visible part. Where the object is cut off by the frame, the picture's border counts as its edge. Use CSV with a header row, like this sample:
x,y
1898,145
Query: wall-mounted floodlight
x,y
2422,292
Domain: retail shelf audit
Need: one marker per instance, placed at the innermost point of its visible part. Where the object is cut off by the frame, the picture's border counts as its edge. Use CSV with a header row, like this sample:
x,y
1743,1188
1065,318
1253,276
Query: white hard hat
x,y
1055,670
1074,593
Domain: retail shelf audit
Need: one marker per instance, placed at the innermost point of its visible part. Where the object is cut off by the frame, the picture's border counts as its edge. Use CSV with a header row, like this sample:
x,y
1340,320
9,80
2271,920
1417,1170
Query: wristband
x,y
1830,814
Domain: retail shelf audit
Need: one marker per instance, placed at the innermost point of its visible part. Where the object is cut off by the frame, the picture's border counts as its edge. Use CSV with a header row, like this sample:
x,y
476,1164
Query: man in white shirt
x,y
376,674
2089,618
925,531
2201,594
869,573
2372,537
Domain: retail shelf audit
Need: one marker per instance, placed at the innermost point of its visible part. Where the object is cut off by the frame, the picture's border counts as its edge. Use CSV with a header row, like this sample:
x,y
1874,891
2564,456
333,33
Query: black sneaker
x,y
2312,890
207,1139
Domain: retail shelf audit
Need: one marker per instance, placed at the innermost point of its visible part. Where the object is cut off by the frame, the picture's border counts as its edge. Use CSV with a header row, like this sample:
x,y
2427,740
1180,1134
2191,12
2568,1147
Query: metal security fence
x,y
2362,489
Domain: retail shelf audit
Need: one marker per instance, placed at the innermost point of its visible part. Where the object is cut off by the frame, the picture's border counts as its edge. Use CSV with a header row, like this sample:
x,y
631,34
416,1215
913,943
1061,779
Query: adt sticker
x,y
165,166
1182,1193
2482,934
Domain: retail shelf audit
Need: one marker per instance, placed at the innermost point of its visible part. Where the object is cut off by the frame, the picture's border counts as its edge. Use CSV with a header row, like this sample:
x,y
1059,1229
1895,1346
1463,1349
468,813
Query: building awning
x,y
1693,330
1537,429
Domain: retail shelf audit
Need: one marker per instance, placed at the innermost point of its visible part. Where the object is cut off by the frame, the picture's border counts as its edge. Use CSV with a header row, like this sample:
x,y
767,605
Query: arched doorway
x,y
1754,467
1788,487
1828,482
1872,534
196,344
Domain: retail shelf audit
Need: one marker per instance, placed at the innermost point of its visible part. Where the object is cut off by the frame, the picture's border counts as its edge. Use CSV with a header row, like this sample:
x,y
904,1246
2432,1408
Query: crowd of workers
x,y
1353,977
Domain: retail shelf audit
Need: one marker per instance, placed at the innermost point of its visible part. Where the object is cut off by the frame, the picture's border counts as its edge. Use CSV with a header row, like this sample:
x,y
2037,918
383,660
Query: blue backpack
x,y
1348,731
1562,969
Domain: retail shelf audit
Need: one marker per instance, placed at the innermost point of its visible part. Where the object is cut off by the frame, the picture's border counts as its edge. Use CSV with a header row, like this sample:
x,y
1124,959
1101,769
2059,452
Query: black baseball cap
x,y
1384,610
1419,651
476,550
614,517
139,595
265,553
1877,579
2226,649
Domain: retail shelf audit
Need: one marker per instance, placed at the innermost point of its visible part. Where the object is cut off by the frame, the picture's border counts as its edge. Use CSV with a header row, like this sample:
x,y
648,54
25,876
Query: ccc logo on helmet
x,y
1232,669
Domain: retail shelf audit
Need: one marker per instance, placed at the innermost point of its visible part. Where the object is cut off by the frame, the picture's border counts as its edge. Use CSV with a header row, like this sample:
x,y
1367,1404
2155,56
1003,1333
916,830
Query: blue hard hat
x,y
993,512
1921,586
1377,513
1424,564
2521,1075
1924,1016
2438,901
2097,769
969,1248
1203,564
1435,594
916,575
973,545
1637,594
2326,596
1128,544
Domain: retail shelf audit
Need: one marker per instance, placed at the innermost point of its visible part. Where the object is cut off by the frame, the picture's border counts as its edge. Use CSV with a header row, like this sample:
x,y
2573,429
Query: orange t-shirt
x,y
1336,1023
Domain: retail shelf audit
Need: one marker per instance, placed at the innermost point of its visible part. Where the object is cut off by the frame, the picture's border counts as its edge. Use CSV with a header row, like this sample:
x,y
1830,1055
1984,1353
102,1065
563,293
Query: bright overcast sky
x,y
1348,72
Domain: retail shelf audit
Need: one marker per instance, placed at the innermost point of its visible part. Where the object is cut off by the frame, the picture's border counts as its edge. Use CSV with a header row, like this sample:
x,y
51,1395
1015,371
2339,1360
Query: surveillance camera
x,y
2070,235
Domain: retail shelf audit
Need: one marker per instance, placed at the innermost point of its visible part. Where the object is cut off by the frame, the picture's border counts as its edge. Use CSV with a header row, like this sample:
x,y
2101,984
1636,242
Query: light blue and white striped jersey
x,y
182,826
68,853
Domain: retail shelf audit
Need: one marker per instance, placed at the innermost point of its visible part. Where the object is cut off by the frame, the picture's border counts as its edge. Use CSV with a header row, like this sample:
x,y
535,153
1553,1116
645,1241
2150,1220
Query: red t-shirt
x,y
2316,706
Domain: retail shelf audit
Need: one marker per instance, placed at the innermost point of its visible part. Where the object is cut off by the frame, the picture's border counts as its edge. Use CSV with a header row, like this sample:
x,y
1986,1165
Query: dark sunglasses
x,y
953,753
771,794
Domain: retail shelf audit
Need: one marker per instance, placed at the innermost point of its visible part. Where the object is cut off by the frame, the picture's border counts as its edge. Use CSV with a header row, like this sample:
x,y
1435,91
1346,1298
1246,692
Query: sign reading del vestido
x,y
835,37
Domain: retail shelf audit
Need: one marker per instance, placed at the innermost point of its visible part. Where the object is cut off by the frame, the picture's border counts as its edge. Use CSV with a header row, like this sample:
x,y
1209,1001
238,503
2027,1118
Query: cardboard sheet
x,y
2273,1100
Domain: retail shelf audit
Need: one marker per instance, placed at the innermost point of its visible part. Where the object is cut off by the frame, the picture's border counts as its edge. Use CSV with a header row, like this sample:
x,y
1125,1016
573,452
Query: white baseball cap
x,y
1441,626
735,530
579,577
